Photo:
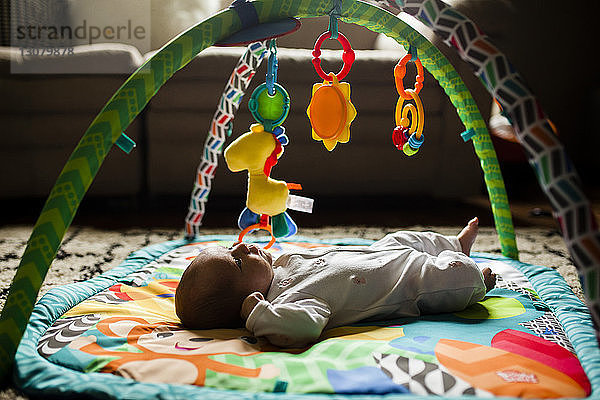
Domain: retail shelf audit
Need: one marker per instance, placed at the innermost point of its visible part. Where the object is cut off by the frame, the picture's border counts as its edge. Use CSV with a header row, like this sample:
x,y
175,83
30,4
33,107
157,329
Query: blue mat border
x,y
35,375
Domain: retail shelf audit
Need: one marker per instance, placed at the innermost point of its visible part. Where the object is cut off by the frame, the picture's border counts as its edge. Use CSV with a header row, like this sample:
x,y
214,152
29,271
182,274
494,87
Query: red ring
x,y
347,57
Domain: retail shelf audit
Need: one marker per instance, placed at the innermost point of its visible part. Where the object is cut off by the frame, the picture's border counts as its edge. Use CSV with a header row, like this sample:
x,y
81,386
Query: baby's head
x,y
213,287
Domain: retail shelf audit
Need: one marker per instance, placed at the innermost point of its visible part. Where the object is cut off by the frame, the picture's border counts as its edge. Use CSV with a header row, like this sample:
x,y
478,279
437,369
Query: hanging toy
x,y
408,134
258,151
330,110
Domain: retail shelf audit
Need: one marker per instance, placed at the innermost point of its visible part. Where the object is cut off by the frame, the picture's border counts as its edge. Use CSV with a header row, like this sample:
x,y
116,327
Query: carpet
x,y
87,252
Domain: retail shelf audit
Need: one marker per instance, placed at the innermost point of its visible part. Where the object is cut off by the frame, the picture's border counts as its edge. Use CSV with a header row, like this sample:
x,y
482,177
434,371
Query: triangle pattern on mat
x,y
423,378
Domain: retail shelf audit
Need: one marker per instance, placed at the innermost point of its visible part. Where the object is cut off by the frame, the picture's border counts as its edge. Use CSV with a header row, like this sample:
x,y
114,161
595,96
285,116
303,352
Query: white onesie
x,y
404,274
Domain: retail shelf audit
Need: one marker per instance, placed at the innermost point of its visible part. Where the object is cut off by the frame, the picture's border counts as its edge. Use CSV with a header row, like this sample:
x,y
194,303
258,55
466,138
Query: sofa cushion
x,y
44,88
100,58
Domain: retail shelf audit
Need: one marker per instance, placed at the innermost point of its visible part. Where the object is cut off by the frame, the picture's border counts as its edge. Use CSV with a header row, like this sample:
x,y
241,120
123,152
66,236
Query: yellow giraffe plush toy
x,y
250,151
258,151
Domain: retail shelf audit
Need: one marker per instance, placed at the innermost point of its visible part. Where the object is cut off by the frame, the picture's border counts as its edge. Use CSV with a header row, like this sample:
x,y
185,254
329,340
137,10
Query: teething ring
x,y
266,107
258,227
347,57
400,72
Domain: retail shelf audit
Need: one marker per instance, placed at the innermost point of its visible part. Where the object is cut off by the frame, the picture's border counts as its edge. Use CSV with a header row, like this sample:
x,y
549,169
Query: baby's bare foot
x,y
467,236
489,278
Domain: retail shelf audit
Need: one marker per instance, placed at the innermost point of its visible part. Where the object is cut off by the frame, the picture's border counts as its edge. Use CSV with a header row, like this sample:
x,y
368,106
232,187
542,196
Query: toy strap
x,y
220,128
273,158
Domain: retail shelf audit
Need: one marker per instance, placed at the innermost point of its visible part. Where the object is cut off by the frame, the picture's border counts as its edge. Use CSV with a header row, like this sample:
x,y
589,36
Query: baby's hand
x,y
249,303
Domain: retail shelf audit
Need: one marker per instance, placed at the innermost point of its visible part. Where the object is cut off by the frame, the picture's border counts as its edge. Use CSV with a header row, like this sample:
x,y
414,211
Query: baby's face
x,y
246,266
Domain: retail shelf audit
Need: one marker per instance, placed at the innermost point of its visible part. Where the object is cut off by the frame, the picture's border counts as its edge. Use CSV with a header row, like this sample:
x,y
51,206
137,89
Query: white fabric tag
x,y
299,203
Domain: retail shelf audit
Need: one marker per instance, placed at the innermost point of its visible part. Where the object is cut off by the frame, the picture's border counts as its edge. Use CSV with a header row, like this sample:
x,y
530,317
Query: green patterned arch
x,y
83,164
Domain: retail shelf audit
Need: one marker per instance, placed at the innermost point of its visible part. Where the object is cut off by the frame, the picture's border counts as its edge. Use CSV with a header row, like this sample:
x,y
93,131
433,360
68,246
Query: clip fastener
x,y
272,65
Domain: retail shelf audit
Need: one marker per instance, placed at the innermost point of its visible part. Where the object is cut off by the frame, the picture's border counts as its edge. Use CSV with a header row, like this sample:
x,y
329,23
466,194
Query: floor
x,y
88,252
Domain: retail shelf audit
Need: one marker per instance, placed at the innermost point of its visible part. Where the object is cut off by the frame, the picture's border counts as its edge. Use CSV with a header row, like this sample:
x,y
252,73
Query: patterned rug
x,y
87,252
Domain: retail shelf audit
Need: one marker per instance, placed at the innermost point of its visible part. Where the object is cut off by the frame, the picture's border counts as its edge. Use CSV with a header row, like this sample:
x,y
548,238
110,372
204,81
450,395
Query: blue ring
x,y
415,143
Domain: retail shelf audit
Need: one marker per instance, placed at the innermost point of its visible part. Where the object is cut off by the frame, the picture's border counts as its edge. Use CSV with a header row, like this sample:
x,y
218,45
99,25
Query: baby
x,y
292,299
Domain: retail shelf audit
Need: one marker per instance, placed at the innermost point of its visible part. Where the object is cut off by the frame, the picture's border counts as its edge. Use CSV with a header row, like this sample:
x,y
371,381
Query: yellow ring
x,y
416,124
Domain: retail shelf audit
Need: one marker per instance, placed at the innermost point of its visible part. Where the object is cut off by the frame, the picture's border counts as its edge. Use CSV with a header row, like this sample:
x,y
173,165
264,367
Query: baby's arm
x,y
293,324
427,242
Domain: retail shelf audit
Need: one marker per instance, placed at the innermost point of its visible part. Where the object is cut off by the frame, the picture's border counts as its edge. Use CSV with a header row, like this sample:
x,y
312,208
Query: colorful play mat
x,y
86,337
116,336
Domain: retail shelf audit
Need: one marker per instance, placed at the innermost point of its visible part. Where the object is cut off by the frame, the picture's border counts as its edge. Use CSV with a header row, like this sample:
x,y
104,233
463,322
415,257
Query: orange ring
x,y
400,72
256,227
